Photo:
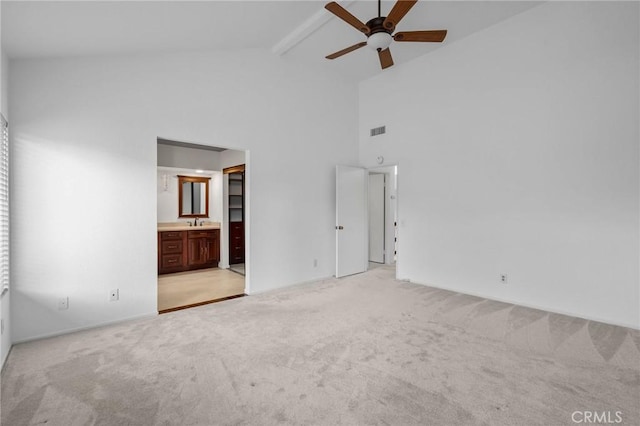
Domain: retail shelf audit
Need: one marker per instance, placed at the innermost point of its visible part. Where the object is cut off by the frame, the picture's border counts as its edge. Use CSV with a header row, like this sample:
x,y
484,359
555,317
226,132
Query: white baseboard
x,y
253,293
4,360
87,327
532,306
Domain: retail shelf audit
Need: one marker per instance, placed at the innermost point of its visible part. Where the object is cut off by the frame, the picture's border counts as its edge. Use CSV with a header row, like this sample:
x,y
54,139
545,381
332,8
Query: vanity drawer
x,y
171,246
170,261
171,235
203,234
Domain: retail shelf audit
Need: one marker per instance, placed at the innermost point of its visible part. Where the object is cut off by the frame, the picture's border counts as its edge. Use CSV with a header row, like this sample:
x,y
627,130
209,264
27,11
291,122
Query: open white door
x,y
351,220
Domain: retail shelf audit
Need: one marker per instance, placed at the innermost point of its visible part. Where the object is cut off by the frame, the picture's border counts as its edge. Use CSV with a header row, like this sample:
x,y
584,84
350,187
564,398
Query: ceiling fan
x,y
379,30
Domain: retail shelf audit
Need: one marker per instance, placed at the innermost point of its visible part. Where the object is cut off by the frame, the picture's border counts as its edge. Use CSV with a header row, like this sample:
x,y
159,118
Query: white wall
x,y
3,73
231,157
4,85
5,303
189,158
518,153
89,125
168,198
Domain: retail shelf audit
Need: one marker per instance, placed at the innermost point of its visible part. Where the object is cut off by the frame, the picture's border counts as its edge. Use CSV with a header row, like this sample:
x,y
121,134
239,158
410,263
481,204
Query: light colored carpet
x,y
360,350
191,287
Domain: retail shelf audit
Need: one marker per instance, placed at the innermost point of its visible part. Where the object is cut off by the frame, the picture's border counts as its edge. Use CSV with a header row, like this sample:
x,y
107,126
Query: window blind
x,y
4,206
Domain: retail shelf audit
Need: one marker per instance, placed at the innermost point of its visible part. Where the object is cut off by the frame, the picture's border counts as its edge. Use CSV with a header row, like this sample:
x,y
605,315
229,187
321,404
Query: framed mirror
x,y
193,196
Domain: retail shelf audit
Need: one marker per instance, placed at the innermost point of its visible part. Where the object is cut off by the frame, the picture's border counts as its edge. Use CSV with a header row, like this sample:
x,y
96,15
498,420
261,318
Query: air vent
x,y
379,131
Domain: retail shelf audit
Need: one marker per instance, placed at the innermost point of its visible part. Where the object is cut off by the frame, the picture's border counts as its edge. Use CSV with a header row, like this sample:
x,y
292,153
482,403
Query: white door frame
x,y
224,237
223,231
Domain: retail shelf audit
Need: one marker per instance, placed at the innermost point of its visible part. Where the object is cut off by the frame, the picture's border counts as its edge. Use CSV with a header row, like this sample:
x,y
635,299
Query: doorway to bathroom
x,y
193,249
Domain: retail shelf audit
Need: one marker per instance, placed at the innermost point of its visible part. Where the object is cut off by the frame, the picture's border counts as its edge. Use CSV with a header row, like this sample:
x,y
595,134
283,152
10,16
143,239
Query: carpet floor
x,y
365,349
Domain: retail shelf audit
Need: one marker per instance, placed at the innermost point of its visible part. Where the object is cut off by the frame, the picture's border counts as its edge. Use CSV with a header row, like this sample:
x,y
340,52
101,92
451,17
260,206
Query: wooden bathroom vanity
x,y
185,248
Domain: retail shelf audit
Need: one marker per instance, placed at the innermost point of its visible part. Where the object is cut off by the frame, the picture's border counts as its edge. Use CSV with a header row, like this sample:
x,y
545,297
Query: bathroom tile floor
x,y
197,287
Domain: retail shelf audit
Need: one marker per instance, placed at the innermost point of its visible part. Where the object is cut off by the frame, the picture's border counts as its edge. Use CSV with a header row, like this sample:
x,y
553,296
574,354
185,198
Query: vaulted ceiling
x,y
298,30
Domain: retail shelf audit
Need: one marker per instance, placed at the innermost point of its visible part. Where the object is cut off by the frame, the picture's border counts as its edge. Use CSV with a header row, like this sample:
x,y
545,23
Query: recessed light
x,y
199,171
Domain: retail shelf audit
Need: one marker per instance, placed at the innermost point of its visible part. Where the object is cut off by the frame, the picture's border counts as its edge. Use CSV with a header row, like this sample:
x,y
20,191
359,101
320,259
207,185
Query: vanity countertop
x,y
183,226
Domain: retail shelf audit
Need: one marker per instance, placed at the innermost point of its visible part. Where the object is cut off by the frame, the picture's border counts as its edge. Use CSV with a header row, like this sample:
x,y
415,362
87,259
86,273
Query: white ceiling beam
x,y
304,30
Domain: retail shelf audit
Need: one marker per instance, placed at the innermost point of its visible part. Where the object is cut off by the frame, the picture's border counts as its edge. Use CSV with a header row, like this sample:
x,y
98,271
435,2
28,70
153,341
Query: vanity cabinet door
x,y
213,249
196,252
204,248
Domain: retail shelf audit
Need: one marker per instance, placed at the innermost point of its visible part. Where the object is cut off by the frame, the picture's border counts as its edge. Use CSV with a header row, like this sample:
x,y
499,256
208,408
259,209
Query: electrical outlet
x,y
114,295
63,303
315,263
503,278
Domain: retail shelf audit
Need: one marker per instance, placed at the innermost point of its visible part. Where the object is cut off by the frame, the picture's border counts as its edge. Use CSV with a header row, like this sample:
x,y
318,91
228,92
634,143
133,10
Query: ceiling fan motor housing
x,y
379,37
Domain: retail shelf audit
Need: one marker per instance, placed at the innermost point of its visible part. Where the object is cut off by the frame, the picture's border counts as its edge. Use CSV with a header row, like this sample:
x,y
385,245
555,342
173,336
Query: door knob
x,y
340,227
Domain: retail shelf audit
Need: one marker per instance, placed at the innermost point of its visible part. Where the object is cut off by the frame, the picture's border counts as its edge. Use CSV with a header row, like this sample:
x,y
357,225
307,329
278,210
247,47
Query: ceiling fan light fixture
x,y
379,41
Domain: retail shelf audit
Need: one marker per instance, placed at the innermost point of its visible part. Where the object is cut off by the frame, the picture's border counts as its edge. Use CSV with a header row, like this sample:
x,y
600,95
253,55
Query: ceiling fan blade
x,y
347,50
385,58
347,17
397,13
433,36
